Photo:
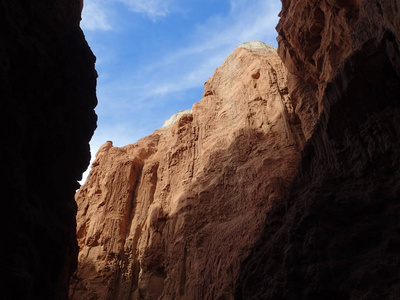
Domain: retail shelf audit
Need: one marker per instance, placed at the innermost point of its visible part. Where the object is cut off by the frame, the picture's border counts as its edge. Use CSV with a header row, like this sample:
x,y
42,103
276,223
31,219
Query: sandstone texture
x,y
174,215
317,37
336,233
176,116
47,88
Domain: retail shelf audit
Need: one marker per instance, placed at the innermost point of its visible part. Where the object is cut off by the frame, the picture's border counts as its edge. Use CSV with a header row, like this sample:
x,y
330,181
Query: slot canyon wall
x,y
336,233
174,215
277,185
47,88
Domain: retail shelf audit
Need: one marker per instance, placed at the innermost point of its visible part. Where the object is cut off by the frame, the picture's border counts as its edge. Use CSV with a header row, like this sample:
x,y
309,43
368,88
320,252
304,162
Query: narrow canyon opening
x,y
281,182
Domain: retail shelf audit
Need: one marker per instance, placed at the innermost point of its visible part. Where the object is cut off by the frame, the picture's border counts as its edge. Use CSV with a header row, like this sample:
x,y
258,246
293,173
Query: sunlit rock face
x,y
176,116
174,215
336,233
47,88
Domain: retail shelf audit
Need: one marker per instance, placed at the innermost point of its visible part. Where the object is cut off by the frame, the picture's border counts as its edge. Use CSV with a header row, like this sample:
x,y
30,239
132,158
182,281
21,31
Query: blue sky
x,y
153,56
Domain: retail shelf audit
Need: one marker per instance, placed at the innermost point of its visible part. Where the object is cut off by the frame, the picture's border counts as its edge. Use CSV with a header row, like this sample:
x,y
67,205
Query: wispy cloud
x,y
99,14
206,48
152,8
94,16
246,21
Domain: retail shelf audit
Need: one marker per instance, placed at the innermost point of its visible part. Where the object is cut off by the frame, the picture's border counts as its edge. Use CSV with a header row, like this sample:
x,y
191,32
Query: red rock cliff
x,y
47,88
336,233
173,215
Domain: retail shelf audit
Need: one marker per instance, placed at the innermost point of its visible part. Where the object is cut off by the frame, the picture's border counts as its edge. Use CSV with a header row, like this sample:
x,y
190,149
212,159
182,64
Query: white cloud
x,y
152,8
191,65
98,14
94,16
246,21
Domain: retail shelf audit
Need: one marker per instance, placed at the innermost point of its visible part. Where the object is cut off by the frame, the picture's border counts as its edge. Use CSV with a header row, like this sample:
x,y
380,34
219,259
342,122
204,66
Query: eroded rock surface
x,y
173,215
47,88
336,233
317,37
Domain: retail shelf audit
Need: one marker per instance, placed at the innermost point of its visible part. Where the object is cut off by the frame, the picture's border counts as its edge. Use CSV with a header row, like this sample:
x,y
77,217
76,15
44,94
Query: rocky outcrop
x,y
173,215
47,88
176,116
336,233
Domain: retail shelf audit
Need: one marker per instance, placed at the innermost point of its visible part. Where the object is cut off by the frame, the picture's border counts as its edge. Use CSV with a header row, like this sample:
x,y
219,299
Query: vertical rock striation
x,y
173,215
47,88
336,233
317,37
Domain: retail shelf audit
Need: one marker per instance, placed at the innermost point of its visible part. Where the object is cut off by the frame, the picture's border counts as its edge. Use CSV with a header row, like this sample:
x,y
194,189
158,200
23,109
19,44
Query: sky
x,y
153,56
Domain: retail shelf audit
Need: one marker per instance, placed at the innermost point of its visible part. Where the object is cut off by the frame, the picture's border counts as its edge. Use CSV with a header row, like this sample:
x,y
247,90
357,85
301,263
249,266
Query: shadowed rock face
x,y
336,233
317,37
47,88
173,215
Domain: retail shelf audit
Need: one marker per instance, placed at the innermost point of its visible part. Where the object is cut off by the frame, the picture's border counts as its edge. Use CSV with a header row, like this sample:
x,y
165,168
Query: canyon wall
x,y
47,87
173,215
336,233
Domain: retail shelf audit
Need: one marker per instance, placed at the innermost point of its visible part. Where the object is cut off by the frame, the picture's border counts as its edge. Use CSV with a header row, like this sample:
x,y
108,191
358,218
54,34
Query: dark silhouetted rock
x,y
47,90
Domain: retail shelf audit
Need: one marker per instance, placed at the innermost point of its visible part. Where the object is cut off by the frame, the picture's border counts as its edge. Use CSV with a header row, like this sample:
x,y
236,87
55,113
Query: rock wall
x,y
173,215
336,233
317,37
47,87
